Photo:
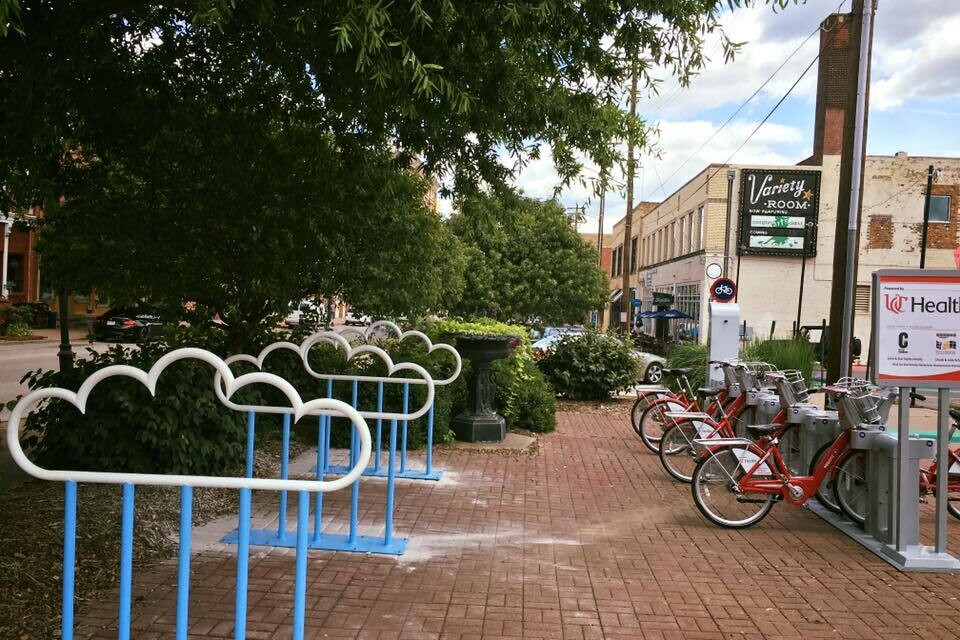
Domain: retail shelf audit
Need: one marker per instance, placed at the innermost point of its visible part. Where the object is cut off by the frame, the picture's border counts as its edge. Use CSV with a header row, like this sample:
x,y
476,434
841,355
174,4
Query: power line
x,y
769,114
746,102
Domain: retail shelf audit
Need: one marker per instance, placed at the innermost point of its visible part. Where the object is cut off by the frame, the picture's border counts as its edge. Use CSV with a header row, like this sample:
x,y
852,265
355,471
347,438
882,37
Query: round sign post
x,y
723,290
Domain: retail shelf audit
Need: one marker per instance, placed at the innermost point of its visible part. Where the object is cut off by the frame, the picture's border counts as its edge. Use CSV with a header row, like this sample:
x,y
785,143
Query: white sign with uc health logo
x,y
916,328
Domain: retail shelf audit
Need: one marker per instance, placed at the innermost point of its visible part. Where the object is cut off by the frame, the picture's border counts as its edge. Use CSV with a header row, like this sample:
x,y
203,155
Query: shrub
x,y
693,356
183,429
590,366
16,321
796,354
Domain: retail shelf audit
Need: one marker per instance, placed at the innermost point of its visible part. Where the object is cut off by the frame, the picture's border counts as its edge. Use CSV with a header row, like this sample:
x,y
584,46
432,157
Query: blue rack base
x,y
408,474
328,541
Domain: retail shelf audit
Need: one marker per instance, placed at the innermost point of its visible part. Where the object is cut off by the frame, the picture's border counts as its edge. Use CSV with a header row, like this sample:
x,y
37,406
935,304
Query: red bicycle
x,y
653,420
737,482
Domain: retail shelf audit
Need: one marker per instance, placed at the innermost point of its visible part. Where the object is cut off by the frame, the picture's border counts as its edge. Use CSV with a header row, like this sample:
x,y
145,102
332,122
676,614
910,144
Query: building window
x,y
690,231
681,237
940,209
687,300
15,269
701,226
633,255
673,239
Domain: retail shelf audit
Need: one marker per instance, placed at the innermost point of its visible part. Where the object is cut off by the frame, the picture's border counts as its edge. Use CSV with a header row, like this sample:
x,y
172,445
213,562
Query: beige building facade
x,y
681,238
750,223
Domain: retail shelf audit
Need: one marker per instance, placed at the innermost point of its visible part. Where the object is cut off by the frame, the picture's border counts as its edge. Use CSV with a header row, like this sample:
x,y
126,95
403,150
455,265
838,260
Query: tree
x,y
524,259
217,189
454,81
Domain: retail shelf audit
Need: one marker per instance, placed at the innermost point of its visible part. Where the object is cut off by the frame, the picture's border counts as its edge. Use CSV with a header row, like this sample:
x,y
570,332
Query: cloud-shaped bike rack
x,y
386,328
226,384
332,338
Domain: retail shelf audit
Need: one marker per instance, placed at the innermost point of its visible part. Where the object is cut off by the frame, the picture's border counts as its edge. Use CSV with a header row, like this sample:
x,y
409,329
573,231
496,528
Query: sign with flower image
x,y
778,212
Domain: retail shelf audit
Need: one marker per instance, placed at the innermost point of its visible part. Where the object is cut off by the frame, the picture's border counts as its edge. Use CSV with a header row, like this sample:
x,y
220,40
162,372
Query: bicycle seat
x,y
675,372
757,430
709,392
955,414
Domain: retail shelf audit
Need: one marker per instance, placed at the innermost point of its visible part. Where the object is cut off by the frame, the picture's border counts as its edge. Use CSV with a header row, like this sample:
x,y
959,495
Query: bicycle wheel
x,y
825,493
953,485
640,405
654,421
678,454
850,486
717,495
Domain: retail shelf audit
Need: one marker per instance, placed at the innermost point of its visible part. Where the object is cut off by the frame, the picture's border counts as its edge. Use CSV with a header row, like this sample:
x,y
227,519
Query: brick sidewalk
x,y
588,538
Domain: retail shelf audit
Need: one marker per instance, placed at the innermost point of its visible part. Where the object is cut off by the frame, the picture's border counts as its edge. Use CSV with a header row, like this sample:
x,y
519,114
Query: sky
x,y
914,99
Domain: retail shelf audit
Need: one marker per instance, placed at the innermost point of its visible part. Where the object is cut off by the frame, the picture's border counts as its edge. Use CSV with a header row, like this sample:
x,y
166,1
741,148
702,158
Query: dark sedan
x,y
128,324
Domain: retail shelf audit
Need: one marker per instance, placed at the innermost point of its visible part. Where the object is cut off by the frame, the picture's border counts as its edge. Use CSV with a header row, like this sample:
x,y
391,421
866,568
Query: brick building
x,y
692,231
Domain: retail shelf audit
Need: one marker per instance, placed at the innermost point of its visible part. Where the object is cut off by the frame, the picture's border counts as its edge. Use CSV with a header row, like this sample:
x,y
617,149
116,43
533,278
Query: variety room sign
x,y
778,209
916,327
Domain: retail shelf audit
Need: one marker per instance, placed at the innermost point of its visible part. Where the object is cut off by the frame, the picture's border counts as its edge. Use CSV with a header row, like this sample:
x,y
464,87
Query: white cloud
x,y
914,57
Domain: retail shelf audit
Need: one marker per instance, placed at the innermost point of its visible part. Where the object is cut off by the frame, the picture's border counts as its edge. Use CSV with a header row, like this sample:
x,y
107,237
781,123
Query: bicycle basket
x,y
858,407
751,373
791,387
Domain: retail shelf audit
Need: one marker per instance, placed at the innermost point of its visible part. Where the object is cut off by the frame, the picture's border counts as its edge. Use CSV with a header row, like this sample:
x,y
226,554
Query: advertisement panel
x,y
778,211
916,328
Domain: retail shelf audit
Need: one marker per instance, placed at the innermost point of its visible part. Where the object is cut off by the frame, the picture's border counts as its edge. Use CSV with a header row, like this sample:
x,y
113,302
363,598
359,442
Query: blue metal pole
x,y
243,567
300,568
329,429
376,460
126,562
284,474
429,439
391,477
251,426
355,487
183,561
321,465
69,557
403,444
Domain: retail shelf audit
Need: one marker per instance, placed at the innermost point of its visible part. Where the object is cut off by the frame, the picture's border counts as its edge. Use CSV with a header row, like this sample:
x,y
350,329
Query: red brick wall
x,y
880,232
833,86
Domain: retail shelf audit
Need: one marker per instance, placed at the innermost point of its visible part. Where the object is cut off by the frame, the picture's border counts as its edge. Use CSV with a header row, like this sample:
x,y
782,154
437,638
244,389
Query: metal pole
x,y
731,174
803,271
736,280
850,276
943,464
926,218
603,206
65,354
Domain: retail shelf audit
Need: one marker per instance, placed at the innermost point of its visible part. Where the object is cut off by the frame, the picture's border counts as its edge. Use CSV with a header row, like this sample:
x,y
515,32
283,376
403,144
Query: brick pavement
x,y
588,538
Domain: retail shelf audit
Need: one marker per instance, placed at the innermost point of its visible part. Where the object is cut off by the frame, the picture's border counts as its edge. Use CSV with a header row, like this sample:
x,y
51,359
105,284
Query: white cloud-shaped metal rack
x,y
350,351
226,384
381,327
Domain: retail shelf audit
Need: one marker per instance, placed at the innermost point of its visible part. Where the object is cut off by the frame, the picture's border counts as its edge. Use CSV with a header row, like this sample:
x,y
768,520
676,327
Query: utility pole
x,y
845,253
603,205
625,298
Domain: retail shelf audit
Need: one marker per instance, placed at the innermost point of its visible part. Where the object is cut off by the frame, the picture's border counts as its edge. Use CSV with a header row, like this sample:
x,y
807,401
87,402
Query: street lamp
x,y
931,176
803,268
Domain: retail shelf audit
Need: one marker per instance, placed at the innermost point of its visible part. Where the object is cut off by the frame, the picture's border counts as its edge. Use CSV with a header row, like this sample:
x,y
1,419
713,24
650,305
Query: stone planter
x,y
481,422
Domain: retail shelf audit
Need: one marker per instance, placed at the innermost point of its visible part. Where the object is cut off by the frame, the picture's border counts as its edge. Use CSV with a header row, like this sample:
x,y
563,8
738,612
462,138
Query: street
x,y
19,357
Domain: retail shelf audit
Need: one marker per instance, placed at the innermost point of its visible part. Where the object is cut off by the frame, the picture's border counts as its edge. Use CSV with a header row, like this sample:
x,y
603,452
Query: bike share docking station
x,y
908,342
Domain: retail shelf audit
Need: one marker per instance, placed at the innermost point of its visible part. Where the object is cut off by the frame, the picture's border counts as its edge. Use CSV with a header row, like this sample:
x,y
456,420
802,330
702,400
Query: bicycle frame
x,y
782,482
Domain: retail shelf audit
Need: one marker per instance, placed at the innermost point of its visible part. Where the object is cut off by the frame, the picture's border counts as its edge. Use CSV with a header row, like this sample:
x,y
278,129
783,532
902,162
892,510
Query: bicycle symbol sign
x,y
723,289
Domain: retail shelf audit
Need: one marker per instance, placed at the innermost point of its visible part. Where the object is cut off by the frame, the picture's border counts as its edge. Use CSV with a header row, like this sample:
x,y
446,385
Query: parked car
x,y
651,365
304,306
355,318
131,323
551,337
